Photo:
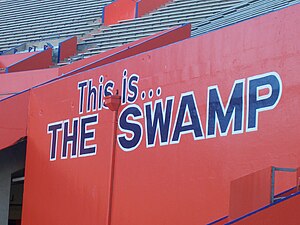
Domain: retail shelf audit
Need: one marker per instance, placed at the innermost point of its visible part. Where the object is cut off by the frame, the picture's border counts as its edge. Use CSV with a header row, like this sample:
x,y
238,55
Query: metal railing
x,y
279,169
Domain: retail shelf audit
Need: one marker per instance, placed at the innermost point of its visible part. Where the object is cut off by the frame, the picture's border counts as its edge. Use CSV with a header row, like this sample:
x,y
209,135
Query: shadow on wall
x,y
12,164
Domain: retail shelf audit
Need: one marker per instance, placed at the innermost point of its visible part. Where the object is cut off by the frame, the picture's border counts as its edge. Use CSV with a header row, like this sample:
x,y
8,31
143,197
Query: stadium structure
x,y
149,112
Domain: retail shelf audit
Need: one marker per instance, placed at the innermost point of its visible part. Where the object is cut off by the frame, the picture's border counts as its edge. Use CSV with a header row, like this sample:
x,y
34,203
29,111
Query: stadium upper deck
x,y
40,21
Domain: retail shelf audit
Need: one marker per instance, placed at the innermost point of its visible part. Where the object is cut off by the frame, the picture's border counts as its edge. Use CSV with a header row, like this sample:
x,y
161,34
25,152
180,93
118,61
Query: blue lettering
x,y
81,86
100,94
92,94
53,130
70,138
134,128
87,135
257,103
187,106
133,88
124,87
223,117
158,120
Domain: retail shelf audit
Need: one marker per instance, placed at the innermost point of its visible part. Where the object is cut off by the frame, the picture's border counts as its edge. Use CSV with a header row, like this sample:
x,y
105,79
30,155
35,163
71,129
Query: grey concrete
x,y
12,159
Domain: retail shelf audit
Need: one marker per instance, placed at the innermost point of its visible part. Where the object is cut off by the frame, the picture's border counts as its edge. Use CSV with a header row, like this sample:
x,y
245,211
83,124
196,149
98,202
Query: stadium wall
x,y
277,214
146,6
67,49
118,10
8,60
128,9
142,45
250,192
40,60
13,83
183,176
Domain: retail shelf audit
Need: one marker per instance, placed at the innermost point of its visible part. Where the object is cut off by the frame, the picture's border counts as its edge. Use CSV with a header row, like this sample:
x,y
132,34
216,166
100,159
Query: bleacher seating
x,y
175,13
246,10
24,21
204,15
43,20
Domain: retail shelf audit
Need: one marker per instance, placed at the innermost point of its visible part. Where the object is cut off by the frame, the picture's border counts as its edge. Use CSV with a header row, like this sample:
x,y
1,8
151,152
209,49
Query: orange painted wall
x,y
284,212
129,9
146,6
142,45
176,184
41,60
13,119
221,221
77,189
20,81
284,177
157,40
118,10
90,60
7,60
298,179
67,48
250,193
78,65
